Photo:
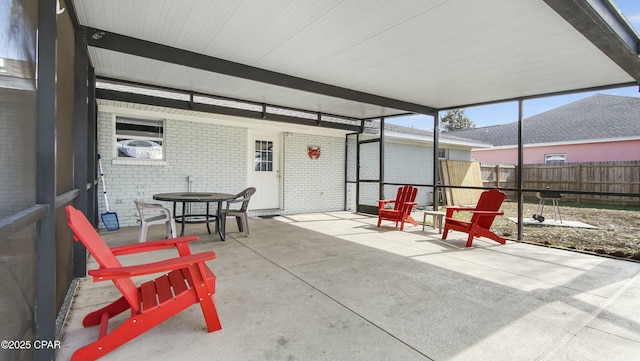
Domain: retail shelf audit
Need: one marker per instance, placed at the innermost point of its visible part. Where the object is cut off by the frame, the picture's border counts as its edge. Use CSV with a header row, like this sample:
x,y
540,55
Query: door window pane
x,y
263,156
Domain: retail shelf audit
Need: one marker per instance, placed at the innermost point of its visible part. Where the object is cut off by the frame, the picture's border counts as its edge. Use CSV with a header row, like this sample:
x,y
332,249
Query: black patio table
x,y
197,197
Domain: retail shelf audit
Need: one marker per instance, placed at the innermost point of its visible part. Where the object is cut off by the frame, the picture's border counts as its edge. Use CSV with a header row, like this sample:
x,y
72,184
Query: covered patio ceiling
x,y
360,58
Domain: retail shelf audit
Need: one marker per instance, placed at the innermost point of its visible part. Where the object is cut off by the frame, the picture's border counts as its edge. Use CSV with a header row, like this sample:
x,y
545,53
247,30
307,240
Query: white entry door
x,y
264,170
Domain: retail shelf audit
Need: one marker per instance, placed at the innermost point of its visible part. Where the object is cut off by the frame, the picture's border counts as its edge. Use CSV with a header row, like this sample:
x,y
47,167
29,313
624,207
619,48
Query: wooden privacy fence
x,y
611,177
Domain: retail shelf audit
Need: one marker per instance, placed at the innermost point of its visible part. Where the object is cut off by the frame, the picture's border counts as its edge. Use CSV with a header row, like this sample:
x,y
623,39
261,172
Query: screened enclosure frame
x,y
612,37
520,190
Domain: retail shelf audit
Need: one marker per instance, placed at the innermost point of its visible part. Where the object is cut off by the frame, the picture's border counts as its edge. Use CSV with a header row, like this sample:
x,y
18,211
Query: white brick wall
x,y
213,155
313,185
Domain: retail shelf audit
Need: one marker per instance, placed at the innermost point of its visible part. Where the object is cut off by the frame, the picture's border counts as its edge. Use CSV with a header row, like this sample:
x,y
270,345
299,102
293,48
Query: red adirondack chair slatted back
x,y
490,200
405,194
84,232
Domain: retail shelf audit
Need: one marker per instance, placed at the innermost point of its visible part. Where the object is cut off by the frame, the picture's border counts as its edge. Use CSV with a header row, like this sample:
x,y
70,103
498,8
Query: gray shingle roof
x,y
415,131
599,116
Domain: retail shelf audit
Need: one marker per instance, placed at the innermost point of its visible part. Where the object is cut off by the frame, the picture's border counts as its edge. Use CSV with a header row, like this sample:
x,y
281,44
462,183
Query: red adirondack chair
x,y
402,206
187,281
484,213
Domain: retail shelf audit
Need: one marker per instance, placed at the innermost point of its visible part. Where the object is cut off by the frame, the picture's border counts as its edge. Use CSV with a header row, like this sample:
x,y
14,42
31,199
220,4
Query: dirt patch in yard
x,y
618,232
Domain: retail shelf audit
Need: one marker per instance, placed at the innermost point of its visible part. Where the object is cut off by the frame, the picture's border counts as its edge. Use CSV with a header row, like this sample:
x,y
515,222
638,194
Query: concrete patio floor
x,y
332,286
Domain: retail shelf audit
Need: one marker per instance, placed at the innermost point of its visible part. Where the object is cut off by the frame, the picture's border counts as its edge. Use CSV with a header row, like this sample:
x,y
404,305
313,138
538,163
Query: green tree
x,y
455,119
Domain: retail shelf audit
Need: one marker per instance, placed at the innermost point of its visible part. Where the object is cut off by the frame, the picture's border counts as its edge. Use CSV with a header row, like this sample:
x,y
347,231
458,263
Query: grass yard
x,y
618,232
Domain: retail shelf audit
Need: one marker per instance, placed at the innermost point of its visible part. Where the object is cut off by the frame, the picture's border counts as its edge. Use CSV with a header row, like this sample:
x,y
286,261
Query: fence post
x,y
579,182
497,170
517,180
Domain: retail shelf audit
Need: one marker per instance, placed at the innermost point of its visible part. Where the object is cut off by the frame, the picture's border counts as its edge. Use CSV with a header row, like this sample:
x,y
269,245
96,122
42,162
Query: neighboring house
x,y
408,160
191,151
598,128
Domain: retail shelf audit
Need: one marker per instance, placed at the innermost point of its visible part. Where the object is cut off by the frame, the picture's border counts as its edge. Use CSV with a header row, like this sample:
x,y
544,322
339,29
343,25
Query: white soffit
x,y
137,69
438,53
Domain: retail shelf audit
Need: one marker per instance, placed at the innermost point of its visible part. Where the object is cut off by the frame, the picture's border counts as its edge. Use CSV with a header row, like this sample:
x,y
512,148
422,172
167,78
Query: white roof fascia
x,y
575,142
442,140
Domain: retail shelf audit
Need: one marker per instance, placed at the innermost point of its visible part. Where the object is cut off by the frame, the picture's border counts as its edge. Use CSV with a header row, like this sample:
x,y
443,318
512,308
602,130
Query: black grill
x,y
549,195
554,196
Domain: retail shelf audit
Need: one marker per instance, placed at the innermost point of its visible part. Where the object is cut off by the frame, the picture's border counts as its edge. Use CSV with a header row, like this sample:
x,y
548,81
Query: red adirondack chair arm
x,y
104,274
152,245
459,208
383,202
450,209
488,213
408,206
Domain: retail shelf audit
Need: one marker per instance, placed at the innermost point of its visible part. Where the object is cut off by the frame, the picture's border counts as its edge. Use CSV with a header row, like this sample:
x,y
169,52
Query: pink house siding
x,y
590,152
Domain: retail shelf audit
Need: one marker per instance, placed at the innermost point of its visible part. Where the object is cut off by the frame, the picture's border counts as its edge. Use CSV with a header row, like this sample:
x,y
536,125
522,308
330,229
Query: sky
x,y
508,112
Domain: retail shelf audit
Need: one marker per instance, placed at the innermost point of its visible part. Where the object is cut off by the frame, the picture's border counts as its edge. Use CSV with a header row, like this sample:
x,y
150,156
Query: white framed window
x,y
442,153
139,138
556,158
